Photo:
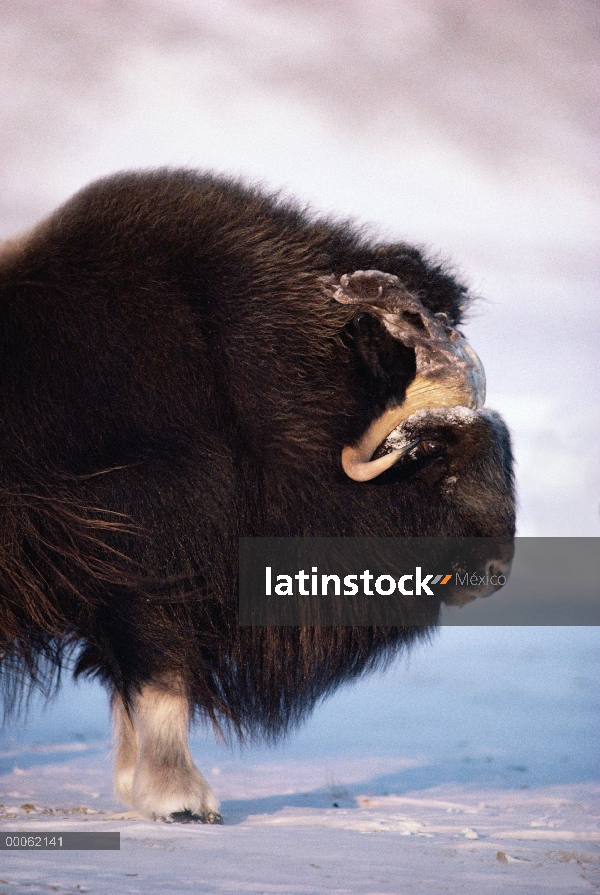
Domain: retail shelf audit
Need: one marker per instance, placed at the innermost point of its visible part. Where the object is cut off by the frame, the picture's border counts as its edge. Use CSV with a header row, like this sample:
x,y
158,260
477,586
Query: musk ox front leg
x,y
154,771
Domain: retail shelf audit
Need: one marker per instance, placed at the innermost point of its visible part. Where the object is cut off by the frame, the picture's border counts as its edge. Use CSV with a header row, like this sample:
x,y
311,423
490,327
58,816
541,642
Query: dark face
x,y
459,462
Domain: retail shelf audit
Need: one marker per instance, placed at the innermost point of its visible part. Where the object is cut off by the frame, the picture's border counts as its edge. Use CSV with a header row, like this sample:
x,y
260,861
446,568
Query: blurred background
x,y
470,129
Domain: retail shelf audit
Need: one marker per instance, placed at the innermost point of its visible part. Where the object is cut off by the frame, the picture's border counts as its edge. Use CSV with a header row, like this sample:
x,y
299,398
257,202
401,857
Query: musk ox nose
x,y
497,572
480,576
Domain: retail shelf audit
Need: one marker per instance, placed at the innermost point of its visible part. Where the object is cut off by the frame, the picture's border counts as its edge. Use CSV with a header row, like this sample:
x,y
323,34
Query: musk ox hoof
x,y
186,817
182,795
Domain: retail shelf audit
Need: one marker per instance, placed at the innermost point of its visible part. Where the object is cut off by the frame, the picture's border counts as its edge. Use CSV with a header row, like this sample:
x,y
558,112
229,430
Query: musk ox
x,y
185,361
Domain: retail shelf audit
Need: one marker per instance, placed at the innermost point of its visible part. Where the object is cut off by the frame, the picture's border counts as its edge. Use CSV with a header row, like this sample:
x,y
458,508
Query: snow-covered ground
x,y
473,765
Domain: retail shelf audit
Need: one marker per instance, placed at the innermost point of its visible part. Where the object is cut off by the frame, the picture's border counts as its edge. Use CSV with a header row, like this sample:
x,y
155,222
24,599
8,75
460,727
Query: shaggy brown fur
x,y
174,376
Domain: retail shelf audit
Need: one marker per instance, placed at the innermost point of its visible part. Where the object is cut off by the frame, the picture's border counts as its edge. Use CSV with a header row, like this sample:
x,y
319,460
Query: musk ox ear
x,y
389,365
384,365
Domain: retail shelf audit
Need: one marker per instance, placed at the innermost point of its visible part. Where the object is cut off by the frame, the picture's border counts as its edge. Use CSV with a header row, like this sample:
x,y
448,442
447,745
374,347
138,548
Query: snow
x,y
403,435
473,765
381,849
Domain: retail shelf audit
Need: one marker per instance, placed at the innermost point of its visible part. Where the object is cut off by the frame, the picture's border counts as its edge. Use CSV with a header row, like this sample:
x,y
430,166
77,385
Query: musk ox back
x,y
186,361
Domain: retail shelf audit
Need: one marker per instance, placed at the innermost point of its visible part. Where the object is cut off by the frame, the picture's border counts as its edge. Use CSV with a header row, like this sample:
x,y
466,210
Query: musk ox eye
x,y
433,448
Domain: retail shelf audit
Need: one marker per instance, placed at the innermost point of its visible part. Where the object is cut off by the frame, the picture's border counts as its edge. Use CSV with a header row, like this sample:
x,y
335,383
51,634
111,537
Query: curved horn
x,y
449,373
421,393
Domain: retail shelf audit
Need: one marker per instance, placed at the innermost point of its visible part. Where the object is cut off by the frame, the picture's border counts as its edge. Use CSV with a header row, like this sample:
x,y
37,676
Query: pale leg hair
x,y
126,751
154,771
